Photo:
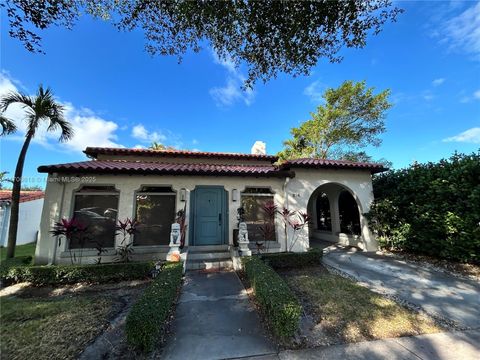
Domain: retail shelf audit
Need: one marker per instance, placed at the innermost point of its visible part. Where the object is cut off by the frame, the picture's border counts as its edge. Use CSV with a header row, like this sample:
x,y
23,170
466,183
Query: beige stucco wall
x,y
293,193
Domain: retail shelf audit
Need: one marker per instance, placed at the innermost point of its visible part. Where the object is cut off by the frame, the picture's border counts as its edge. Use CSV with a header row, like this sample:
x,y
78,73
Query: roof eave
x,y
273,174
372,169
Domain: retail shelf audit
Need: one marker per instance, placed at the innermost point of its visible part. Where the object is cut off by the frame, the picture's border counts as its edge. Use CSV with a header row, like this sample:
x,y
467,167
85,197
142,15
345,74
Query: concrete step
x,y
209,264
209,255
208,248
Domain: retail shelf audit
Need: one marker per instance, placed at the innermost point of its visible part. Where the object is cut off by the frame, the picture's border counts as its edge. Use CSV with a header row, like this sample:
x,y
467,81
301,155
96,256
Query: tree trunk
x,y
17,185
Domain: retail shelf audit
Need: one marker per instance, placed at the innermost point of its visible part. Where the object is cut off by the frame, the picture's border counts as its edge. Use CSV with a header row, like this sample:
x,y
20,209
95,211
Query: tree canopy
x,y
269,36
159,146
351,118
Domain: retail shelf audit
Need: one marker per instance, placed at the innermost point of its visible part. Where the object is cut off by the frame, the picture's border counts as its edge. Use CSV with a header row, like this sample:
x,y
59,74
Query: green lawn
x,y
46,328
20,250
344,311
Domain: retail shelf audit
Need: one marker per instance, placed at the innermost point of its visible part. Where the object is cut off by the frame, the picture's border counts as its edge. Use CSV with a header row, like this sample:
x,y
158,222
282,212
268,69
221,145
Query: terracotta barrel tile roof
x,y
325,163
138,167
95,151
6,195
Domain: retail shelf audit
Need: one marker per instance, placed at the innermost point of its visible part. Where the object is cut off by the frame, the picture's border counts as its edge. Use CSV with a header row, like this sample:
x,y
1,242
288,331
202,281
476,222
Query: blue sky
x,y
118,95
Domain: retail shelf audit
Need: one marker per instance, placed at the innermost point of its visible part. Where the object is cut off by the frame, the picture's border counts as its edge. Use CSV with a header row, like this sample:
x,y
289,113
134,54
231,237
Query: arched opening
x,y
335,215
349,214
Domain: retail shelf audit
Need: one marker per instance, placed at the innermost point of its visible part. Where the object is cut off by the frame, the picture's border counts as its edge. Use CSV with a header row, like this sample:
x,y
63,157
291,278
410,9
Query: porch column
x,y
232,207
126,204
334,211
178,187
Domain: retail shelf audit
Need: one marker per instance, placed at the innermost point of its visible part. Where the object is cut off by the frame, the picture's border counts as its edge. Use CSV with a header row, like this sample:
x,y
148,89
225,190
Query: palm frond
x,y
41,107
58,121
15,97
8,126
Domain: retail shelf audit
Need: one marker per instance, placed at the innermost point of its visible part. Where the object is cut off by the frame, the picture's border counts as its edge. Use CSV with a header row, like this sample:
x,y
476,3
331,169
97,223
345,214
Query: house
x,y
30,210
153,185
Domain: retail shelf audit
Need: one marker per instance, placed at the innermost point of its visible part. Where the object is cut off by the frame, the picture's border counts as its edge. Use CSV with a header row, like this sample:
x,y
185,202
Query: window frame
x,y
77,192
271,194
139,191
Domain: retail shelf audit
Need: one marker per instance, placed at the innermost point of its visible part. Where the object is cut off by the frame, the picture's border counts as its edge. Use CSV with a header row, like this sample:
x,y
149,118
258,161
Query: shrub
x,y
146,320
70,274
7,264
431,209
277,301
291,260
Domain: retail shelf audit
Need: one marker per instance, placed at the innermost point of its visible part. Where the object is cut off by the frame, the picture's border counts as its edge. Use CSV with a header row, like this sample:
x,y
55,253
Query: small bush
x,y
70,274
146,320
277,301
6,265
293,260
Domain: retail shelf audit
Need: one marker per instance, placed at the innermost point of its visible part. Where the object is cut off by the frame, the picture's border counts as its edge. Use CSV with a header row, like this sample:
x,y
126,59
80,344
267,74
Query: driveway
x,y
214,319
437,293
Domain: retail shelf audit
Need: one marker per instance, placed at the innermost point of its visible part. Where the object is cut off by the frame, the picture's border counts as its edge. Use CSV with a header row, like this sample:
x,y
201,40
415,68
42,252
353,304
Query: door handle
x,y
220,219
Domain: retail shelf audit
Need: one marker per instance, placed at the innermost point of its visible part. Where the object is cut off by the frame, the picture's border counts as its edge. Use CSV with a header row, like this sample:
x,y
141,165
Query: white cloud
x,y
89,129
314,91
462,32
195,142
438,82
232,91
227,63
139,132
467,98
468,136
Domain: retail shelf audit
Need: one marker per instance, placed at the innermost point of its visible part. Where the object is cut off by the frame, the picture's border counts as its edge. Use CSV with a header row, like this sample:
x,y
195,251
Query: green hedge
x,y
293,260
7,264
70,274
431,209
147,317
281,307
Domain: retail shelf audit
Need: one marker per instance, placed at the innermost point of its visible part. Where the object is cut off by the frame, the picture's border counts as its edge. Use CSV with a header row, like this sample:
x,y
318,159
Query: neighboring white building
x,y
151,186
31,205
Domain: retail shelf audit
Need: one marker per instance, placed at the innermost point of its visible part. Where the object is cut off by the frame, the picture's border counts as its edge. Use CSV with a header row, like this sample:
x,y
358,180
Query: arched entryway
x,y
336,215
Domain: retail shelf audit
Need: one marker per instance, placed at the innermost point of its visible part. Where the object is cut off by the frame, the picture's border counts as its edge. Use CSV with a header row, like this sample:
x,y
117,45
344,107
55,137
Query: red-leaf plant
x,y
268,227
70,229
296,221
126,229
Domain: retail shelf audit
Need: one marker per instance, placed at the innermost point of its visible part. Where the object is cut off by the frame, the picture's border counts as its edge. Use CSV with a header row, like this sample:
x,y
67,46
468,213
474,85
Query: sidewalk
x,y
461,345
215,320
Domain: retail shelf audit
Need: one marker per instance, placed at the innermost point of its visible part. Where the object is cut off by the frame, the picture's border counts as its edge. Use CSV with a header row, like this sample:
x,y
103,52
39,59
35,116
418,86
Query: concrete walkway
x,y
215,320
437,293
461,345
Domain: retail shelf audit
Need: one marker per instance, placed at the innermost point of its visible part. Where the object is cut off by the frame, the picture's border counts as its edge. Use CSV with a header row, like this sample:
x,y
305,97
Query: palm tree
x,y
157,146
39,108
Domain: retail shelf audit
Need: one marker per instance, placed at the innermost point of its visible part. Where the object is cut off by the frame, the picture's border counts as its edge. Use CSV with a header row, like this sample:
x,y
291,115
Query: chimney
x,y
259,148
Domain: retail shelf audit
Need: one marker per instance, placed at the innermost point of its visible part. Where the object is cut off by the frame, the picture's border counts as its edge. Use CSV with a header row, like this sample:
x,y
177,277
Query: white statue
x,y
175,233
242,232
174,252
243,239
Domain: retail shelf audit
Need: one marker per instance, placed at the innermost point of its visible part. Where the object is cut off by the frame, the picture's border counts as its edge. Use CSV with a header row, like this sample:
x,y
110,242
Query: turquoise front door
x,y
208,215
